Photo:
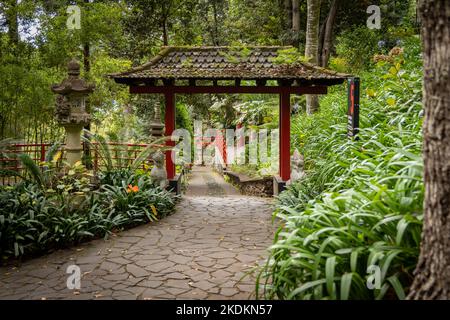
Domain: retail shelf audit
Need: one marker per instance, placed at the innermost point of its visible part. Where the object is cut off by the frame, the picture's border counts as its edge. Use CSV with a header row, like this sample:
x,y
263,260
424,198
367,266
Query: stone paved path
x,y
203,251
204,182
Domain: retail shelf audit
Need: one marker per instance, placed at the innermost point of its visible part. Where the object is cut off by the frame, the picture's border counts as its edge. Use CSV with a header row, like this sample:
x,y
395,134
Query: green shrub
x,y
114,177
31,221
34,220
357,47
360,204
137,198
183,118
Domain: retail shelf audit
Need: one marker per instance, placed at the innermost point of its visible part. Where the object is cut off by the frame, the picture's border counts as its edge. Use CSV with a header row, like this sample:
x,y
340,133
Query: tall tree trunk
x,y
288,18
165,36
166,7
282,15
321,38
328,35
311,49
432,274
12,21
87,54
295,22
87,70
216,24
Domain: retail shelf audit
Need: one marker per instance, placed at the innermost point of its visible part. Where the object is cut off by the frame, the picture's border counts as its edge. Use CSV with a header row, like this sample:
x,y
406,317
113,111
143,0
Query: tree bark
x,y
288,15
216,24
295,22
328,35
12,21
432,274
87,58
165,36
87,70
321,38
87,52
311,48
165,13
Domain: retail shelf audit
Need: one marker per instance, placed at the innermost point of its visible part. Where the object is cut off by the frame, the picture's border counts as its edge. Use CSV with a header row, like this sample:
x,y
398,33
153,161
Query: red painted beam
x,y
170,127
228,89
285,136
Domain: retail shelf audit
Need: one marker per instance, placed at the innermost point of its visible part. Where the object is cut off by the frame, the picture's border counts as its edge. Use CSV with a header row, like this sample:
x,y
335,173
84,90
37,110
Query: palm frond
x,y
148,151
33,169
51,153
101,147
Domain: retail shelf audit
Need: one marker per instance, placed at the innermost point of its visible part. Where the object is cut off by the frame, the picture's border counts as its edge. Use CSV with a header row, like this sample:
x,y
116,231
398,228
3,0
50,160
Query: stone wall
x,y
260,187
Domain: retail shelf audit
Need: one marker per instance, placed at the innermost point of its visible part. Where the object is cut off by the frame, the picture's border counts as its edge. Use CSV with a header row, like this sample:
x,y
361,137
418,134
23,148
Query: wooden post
x,y
353,107
224,147
42,152
221,145
170,127
240,156
285,136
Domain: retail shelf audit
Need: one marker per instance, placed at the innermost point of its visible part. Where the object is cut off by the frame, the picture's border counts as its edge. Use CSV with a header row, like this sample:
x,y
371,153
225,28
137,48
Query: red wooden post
x,y
240,155
241,141
16,161
221,145
170,127
353,107
42,152
285,136
224,147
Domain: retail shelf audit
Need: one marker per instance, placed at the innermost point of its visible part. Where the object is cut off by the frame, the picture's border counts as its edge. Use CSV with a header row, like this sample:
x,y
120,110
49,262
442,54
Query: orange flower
x,y
132,188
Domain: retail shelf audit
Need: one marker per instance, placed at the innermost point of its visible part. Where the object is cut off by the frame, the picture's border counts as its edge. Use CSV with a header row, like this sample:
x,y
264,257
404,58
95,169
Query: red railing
x,y
8,156
122,156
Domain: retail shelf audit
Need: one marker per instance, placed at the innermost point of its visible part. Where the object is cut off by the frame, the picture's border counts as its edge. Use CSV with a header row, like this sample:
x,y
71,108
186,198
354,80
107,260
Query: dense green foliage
x,y
116,34
56,206
183,118
361,202
33,220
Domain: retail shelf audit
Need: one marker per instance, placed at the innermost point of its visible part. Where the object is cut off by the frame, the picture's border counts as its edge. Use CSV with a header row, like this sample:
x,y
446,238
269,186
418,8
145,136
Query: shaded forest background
x,y
35,46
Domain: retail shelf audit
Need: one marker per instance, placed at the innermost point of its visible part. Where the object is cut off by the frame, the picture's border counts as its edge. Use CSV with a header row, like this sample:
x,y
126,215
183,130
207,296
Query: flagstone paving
x,y
205,250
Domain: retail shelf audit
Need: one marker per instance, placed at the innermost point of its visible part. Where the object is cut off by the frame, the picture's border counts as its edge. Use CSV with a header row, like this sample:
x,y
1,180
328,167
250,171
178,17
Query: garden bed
x,y
54,208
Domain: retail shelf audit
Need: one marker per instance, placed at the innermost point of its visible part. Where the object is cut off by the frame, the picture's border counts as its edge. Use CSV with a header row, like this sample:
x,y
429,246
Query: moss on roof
x,y
228,63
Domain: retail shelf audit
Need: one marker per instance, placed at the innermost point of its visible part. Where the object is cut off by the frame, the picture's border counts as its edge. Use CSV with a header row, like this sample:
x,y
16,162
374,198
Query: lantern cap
x,y
73,84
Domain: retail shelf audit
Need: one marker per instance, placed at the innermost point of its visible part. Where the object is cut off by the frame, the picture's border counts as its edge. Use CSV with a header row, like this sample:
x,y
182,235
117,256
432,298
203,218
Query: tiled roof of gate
x,y
228,63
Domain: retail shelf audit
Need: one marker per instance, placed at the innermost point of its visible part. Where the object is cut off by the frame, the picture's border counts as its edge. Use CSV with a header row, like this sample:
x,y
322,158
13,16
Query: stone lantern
x,y
71,109
156,126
